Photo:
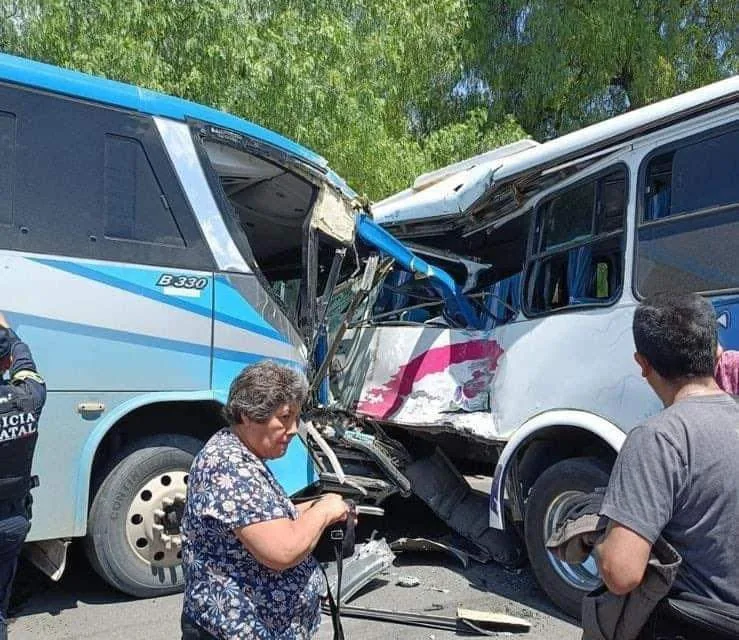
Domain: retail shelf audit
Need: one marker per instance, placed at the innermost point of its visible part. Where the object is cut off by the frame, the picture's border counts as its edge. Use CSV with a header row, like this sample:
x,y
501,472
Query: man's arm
x,y
644,490
622,558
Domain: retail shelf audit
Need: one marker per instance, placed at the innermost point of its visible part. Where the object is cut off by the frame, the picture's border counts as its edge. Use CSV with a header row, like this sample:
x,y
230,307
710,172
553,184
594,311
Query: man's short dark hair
x,y
676,333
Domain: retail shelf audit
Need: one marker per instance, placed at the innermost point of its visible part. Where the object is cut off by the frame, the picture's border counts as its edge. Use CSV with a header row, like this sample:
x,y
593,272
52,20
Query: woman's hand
x,y
334,507
282,543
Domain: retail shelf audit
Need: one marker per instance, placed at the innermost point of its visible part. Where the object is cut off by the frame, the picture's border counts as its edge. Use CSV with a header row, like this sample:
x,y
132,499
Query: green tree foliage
x,y
560,64
348,78
388,90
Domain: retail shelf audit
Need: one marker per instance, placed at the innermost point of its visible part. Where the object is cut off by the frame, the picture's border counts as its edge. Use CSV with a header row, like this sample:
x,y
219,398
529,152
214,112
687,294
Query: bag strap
x,y
343,538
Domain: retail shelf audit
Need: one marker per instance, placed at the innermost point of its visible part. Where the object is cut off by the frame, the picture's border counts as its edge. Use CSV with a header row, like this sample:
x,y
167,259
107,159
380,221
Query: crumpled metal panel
x,y
368,561
334,216
416,375
420,376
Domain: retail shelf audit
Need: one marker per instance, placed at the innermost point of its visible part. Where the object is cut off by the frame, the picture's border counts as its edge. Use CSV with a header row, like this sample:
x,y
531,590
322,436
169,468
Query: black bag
x,y
688,617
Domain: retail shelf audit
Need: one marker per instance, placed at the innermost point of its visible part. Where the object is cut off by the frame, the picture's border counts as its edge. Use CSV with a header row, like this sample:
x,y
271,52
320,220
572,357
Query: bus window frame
x,y
640,208
532,258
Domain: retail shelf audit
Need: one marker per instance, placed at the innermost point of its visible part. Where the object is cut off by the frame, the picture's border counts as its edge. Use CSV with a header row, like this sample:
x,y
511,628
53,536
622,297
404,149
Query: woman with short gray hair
x,y
247,548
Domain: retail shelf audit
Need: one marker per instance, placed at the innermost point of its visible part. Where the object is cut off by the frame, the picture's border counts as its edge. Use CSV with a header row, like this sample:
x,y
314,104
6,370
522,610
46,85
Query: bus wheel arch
x,y
137,486
198,419
550,445
539,442
545,472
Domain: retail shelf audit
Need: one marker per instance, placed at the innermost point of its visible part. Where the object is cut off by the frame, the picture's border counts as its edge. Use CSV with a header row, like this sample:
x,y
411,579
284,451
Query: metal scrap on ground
x,y
408,581
425,544
368,561
490,618
468,621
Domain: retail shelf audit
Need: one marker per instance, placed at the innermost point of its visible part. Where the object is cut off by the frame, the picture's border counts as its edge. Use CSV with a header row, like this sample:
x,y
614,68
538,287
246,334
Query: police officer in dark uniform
x,y
22,396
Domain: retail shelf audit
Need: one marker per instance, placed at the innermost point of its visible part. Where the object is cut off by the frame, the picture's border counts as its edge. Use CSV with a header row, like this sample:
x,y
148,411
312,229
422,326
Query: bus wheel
x,y
551,495
133,532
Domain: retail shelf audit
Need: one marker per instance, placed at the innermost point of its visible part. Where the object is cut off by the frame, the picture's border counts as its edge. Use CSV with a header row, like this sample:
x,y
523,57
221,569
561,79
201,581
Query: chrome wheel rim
x,y
153,519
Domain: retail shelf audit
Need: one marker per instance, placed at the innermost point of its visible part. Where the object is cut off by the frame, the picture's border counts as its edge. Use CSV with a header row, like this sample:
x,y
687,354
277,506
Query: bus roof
x,y
82,85
445,193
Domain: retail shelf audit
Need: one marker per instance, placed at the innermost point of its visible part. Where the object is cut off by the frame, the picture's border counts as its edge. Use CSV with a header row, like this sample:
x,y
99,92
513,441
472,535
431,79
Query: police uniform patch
x,y
26,374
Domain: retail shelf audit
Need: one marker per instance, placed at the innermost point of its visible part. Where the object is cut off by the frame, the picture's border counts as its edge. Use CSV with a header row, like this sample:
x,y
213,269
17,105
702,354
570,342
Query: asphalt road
x,y
81,606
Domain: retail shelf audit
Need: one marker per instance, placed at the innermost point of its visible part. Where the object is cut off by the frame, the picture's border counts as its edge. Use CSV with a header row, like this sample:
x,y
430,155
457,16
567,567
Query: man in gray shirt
x,y
677,474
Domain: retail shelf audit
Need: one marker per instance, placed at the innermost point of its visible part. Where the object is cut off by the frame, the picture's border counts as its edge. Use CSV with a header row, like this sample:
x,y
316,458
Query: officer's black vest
x,y
18,435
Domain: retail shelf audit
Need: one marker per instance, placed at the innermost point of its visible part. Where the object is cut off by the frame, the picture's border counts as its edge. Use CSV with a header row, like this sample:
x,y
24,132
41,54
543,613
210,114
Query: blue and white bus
x,y
150,248
559,242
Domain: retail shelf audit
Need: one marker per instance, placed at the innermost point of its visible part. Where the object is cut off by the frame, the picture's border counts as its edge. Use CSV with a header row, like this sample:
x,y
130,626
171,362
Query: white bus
x,y
554,244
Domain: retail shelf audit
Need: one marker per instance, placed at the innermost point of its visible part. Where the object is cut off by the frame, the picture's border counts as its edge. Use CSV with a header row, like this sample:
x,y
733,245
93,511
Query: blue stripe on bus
x,y
82,85
105,333
129,337
254,322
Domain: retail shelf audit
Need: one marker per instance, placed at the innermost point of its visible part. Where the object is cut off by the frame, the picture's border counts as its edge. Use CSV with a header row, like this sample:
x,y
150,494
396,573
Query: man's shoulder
x,y
665,427
679,420
699,409
666,420
662,423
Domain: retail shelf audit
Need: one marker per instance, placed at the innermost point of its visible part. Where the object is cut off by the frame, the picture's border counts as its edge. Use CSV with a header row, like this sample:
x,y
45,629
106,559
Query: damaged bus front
x,y
520,365
169,245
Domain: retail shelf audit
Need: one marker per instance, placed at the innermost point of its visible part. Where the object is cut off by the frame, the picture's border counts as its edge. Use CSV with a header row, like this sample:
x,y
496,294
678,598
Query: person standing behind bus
x,y
22,396
727,370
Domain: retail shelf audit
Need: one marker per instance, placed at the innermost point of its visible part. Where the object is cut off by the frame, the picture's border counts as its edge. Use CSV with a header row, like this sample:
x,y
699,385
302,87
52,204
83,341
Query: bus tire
x,y
132,537
552,492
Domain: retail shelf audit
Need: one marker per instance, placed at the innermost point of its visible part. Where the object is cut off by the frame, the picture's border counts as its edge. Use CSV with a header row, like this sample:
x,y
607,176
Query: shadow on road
x,y
411,518
34,593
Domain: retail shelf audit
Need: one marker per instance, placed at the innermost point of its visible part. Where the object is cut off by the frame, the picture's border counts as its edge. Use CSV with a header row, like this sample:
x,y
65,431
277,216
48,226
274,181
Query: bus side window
x,y
578,245
82,180
136,208
688,230
7,167
148,219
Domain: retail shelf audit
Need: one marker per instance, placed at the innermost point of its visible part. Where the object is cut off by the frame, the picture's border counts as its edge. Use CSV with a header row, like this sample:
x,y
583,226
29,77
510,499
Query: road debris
x,y
408,581
426,544
485,623
436,481
368,561
492,619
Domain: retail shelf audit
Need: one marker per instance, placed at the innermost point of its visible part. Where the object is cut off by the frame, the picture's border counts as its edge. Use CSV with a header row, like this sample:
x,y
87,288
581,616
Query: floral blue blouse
x,y
227,591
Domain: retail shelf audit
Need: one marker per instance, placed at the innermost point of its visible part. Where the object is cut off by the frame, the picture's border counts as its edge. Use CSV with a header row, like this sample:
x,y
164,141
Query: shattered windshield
x,y
273,205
